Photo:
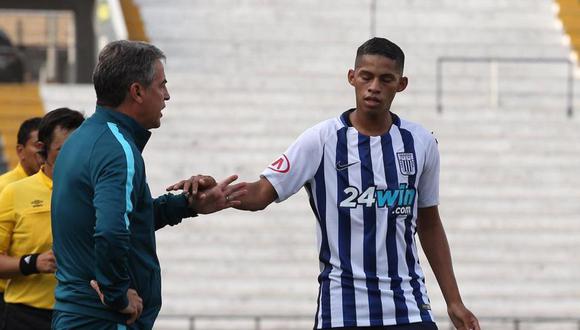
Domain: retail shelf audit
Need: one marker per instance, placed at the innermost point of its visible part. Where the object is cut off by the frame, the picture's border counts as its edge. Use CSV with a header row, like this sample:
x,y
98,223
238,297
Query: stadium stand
x,y
11,64
247,77
19,102
569,14
135,27
3,162
80,97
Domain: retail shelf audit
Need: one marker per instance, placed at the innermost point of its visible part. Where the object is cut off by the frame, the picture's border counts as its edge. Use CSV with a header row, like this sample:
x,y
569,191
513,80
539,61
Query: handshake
x,y
205,195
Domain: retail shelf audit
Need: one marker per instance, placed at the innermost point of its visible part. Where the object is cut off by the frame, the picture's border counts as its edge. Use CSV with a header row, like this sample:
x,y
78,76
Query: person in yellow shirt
x,y
28,164
25,232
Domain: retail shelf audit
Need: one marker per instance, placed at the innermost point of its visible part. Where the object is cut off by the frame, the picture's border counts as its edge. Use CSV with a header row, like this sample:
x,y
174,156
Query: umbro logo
x,y
340,166
36,203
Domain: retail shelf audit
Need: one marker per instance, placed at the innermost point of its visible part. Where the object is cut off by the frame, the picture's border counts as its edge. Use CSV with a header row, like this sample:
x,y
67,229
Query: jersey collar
x,y
345,118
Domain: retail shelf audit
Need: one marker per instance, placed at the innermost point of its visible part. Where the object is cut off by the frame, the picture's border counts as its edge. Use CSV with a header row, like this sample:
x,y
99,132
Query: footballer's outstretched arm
x,y
255,197
260,194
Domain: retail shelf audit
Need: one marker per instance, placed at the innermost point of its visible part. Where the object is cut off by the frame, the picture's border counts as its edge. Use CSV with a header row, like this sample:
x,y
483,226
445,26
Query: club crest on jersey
x,y
280,165
406,163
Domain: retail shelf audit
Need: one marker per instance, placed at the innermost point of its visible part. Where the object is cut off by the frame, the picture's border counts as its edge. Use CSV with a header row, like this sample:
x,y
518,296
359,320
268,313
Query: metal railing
x,y
512,323
493,61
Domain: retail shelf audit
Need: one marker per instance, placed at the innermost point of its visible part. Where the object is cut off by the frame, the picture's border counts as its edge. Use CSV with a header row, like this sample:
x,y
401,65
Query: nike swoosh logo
x,y
340,167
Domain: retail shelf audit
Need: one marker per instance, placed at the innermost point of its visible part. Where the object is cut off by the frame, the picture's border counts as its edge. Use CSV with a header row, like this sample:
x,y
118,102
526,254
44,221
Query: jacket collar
x,y
138,133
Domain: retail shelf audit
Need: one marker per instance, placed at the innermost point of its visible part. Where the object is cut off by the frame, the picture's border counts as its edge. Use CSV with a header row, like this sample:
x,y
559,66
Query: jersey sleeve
x,y
289,172
428,188
7,218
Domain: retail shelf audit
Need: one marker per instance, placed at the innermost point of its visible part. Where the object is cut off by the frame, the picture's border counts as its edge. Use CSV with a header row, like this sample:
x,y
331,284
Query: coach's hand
x,y
462,318
220,197
134,308
46,263
193,185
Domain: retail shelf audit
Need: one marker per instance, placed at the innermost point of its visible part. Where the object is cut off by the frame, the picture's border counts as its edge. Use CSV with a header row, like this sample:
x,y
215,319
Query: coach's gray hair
x,y
122,63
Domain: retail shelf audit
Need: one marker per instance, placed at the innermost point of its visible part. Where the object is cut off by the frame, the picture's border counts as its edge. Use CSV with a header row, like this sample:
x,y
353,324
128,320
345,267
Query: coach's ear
x,y
135,92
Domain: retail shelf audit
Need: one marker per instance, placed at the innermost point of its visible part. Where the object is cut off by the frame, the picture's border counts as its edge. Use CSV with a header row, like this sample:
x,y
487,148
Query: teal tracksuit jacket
x,y
104,220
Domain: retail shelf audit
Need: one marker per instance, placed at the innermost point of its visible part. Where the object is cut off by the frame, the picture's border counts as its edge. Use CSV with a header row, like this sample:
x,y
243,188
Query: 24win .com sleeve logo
x,y
400,200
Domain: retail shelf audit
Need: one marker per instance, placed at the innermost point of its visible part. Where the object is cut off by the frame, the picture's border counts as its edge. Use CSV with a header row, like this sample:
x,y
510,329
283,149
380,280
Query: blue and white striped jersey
x,y
364,192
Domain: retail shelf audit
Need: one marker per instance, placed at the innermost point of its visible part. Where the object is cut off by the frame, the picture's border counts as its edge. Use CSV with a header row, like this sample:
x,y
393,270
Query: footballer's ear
x,y
402,84
350,76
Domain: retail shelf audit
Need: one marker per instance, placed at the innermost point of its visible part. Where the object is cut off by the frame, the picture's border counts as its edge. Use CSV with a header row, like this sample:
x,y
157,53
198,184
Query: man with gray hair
x,y
103,216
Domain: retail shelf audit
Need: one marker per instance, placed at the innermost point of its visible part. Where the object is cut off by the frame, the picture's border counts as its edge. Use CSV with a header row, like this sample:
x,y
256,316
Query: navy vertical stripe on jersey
x,y
392,178
409,146
348,299
319,210
370,234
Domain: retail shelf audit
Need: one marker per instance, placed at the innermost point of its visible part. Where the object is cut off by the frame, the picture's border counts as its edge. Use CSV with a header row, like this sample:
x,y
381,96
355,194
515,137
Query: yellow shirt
x,y
16,174
24,229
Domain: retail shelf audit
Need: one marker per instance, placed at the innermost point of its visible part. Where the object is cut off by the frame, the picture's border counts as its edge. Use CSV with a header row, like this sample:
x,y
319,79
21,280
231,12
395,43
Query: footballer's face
x,y
376,79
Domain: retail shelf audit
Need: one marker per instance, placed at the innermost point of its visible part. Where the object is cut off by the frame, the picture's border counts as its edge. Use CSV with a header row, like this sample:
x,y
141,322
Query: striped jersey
x,y
364,192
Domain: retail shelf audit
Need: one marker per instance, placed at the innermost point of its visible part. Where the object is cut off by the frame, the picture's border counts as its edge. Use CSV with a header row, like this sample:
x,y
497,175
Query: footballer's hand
x,y
193,185
46,263
462,318
220,197
133,309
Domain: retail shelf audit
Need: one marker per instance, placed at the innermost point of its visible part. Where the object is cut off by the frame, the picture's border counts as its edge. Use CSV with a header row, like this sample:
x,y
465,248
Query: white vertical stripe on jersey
x,y
319,244
417,267
419,272
332,232
420,162
387,301
413,310
357,233
313,187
